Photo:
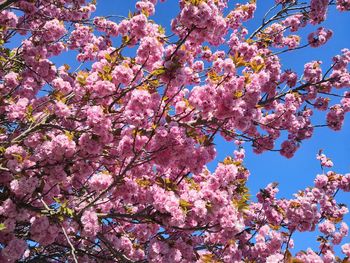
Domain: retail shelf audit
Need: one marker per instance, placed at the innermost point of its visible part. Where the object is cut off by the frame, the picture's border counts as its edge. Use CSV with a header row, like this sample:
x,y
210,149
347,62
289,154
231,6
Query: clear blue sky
x,y
298,172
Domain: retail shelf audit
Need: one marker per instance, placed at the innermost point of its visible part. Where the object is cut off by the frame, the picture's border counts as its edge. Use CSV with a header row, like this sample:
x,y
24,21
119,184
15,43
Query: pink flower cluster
x,y
318,11
320,37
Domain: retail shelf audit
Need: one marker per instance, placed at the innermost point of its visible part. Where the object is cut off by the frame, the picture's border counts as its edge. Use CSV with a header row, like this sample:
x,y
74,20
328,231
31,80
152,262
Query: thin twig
x,y
70,244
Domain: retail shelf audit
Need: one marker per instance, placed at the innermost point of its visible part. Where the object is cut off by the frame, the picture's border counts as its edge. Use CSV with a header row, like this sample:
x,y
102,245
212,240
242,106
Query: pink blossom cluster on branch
x,y
108,164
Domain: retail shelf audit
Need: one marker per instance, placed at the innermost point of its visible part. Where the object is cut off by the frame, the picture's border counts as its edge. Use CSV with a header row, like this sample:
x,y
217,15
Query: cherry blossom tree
x,y
107,162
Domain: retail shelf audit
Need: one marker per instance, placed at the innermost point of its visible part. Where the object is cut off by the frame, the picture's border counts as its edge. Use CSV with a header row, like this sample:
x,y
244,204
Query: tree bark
x,y
5,4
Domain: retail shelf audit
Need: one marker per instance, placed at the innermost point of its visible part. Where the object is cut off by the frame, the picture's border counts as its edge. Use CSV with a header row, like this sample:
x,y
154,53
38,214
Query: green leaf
x,y
185,205
166,183
161,30
57,200
125,39
158,71
2,226
69,212
108,57
145,12
288,256
2,149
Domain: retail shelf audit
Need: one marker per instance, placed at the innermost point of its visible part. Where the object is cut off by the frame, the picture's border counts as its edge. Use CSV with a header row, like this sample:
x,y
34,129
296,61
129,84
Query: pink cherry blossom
x,y
109,126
